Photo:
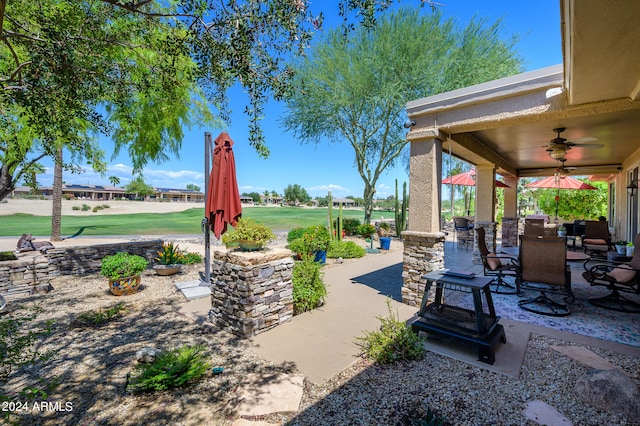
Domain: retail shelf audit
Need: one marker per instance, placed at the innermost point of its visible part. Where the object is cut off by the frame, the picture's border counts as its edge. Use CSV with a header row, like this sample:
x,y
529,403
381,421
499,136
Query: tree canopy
x,y
353,87
295,193
573,204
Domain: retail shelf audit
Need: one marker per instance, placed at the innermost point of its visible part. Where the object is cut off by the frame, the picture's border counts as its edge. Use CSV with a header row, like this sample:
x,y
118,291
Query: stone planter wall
x,y
251,292
423,253
33,271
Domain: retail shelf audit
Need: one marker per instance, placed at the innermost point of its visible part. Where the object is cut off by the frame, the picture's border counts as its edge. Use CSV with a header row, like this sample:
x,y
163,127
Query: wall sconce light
x,y
557,154
409,123
632,188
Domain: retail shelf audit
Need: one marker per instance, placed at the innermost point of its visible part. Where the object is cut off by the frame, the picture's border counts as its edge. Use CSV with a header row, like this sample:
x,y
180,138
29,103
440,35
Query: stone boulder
x,y
610,390
147,355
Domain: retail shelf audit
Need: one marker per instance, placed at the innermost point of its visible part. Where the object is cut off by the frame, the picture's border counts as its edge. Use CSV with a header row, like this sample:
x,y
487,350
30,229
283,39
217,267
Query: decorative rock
x,y
147,355
610,390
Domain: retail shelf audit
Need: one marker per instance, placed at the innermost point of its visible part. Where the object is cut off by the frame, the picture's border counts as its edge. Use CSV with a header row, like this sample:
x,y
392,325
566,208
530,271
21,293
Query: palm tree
x,y
115,180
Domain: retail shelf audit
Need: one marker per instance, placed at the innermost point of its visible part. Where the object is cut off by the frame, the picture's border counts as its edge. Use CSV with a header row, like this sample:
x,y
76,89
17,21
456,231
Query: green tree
x,y
294,194
353,87
254,196
193,187
115,180
573,204
139,187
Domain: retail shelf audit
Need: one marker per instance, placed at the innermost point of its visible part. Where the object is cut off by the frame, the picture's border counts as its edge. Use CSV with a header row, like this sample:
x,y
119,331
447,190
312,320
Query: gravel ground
x,y
92,364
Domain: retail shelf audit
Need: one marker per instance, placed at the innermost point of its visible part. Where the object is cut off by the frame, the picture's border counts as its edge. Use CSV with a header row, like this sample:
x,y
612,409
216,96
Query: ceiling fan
x,y
562,171
559,146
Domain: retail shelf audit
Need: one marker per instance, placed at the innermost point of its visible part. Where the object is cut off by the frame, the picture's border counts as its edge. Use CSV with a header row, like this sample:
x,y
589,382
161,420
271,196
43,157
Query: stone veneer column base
x,y
423,253
509,232
489,237
251,292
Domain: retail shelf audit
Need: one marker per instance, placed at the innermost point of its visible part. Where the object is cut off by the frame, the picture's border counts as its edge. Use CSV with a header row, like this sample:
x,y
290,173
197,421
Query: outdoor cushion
x,y
594,241
622,274
493,262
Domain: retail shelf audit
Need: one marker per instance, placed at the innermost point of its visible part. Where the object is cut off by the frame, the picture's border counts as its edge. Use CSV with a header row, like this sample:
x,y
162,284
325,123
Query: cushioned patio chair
x,y
596,238
463,228
544,270
618,278
539,230
497,266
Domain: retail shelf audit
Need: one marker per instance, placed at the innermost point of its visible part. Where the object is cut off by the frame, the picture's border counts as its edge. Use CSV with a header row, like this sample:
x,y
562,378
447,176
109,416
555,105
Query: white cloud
x,y
326,188
250,188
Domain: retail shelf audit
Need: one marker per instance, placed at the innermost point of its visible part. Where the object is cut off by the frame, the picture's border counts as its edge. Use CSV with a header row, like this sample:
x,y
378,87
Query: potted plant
x,y
630,249
384,232
621,247
169,259
562,231
313,243
366,230
123,271
249,235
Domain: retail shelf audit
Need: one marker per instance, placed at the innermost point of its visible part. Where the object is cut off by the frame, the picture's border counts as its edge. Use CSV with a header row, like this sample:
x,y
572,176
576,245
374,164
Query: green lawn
x,y
185,222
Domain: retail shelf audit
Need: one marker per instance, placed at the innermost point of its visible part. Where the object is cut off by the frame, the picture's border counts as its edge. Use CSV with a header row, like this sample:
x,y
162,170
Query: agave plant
x,y
169,255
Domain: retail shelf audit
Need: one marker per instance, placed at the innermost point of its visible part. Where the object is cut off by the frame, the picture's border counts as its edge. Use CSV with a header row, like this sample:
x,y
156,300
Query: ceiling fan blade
x,y
585,145
584,139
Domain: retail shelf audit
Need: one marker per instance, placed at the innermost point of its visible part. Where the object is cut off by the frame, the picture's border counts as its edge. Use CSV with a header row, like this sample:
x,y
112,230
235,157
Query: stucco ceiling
x,y
594,94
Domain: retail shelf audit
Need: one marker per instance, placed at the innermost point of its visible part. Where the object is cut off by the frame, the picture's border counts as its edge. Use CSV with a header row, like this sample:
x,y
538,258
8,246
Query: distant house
x,y
346,202
87,192
108,192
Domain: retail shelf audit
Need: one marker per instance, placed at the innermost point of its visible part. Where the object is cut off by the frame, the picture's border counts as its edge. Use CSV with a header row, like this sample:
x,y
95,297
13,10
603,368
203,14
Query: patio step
x,y
193,289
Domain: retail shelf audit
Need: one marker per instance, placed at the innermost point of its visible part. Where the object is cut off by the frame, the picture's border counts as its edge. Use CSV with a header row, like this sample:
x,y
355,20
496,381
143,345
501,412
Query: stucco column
x,y
425,185
423,241
485,206
510,217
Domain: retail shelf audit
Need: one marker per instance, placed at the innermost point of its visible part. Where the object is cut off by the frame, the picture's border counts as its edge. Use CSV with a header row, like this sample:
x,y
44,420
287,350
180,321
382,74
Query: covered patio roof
x,y
594,94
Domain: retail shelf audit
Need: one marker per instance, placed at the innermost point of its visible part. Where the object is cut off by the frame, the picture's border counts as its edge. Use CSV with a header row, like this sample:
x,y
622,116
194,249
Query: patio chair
x,y
539,230
596,238
462,228
618,278
544,270
497,266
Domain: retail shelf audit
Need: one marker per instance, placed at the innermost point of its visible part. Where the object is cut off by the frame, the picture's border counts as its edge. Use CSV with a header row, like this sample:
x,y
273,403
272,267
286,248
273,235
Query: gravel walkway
x,y
92,364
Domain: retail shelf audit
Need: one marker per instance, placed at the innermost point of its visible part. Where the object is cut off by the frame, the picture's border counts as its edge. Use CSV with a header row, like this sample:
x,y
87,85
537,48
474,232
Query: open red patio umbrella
x,y
222,199
566,182
468,179
559,182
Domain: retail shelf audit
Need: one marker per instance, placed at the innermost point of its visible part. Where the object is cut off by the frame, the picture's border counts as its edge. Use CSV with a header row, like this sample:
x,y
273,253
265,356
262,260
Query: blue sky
x,y
327,166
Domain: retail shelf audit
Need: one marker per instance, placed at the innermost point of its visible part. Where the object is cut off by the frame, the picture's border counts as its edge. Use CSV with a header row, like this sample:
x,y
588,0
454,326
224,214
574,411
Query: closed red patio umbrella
x,y
223,199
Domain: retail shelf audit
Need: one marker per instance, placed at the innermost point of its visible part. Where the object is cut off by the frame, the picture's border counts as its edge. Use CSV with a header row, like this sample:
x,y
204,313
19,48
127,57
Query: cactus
x,y
330,205
401,210
339,233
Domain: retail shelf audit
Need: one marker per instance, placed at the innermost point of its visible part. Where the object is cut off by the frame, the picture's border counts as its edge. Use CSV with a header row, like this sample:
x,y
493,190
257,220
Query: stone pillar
x,y
251,292
423,253
510,231
424,240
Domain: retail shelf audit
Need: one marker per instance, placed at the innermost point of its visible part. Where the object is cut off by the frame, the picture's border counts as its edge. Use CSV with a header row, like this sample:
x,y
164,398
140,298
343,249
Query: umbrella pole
x,y
205,222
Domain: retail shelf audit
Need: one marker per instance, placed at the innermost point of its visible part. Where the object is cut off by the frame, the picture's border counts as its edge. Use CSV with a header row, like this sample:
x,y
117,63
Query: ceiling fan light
x,y
557,154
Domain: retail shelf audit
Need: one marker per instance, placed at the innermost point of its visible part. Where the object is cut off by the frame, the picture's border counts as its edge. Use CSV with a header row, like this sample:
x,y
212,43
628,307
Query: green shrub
x,y
171,369
295,233
393,342
428,419
86,207
350,225
345,250
308,288
102,316
313,239
97,208
366,229
75,208
191,258
122,265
